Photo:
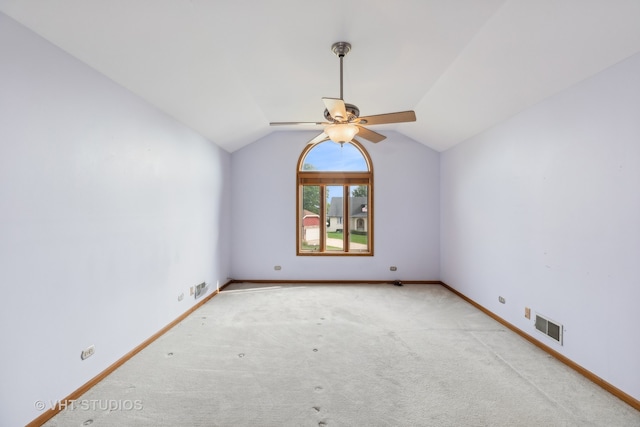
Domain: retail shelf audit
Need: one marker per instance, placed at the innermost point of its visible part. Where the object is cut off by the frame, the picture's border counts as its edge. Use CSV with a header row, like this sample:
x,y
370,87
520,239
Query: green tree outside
x,y
310,193
360,191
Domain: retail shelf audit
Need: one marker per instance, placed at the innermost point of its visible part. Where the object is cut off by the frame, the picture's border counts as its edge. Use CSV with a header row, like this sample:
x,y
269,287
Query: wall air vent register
x,y
549,328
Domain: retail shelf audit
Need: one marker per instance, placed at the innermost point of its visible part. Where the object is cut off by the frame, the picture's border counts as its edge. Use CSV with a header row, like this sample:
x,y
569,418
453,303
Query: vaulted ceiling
x,y
227,68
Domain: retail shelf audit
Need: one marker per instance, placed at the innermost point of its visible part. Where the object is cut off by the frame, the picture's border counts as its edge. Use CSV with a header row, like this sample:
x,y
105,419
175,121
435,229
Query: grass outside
x,y
355,238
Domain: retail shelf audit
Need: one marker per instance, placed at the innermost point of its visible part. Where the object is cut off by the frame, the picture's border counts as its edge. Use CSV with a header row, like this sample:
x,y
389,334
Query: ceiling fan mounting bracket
x,y
353,113
341,48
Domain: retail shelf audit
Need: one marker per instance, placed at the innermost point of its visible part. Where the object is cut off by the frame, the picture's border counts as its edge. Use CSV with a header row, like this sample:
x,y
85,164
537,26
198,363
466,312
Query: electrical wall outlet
x,y
88,352
393,268
502,300
192,290
527,312
181,297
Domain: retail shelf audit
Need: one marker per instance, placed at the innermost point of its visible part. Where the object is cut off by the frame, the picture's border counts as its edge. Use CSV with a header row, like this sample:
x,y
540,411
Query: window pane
x,y
310,218
335,228
329,156
359,218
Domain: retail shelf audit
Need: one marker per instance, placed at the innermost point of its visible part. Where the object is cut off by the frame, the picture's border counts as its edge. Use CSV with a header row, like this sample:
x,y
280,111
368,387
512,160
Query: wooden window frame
x,y
334,178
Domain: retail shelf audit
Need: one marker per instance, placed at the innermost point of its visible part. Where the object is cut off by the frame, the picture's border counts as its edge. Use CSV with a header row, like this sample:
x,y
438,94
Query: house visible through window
x,y
335,200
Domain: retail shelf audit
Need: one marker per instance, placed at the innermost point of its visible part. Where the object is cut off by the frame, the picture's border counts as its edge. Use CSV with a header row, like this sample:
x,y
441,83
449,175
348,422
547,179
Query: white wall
x,y
406,186
544,210
109,210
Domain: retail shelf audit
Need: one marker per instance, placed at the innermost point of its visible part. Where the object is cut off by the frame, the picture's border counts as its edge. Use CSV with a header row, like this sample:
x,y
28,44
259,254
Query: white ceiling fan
x,y
343,120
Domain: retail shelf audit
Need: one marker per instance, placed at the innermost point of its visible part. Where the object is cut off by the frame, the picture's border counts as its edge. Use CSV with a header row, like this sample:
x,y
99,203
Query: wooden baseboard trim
x,y
47,415
336,282
630,400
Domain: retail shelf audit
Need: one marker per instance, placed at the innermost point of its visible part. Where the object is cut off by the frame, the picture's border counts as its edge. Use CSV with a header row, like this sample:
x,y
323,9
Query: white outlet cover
x,y
88,352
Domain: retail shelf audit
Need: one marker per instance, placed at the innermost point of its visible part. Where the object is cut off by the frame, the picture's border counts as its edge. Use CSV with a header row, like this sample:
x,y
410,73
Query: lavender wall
x,y
406,186
109,211
544,210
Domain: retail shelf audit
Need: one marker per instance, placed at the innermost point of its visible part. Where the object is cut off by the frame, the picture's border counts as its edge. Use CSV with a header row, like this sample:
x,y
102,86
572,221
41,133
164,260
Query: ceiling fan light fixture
x,y
341,132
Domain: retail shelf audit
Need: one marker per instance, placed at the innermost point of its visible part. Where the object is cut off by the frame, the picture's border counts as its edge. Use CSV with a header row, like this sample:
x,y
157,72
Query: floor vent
x,y
201,289
549,328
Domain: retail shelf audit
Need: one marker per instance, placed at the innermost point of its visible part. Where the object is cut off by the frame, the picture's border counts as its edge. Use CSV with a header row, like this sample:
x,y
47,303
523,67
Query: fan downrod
x,y
341,49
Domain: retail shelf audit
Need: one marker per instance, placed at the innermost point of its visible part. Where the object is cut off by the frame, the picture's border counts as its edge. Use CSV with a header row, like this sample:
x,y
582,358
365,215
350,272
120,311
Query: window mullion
x,y
346,230
323,219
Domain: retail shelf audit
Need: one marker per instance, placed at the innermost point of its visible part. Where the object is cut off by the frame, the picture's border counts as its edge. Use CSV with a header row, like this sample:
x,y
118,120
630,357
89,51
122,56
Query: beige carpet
x,y
344,355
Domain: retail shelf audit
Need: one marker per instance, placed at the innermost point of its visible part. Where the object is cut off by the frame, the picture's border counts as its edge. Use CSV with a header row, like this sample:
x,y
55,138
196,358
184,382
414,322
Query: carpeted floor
x,y
344,355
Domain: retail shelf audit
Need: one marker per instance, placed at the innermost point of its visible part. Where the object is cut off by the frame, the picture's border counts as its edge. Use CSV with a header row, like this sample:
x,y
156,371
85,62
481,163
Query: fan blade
x,y
298,123
380,119
370,135
322,137
336,108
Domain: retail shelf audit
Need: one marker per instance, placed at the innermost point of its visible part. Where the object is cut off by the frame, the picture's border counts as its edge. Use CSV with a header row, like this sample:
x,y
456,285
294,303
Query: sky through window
x,y
329,156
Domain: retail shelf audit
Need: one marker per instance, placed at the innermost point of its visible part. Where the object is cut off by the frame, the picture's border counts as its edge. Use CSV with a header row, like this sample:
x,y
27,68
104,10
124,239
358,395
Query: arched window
x,y
334,200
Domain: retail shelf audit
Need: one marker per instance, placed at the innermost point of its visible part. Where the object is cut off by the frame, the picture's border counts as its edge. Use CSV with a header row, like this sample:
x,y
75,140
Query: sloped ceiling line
x,y
226,69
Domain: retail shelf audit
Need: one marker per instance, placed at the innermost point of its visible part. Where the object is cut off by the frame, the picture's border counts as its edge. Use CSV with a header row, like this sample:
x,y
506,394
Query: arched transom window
x,y
335,200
